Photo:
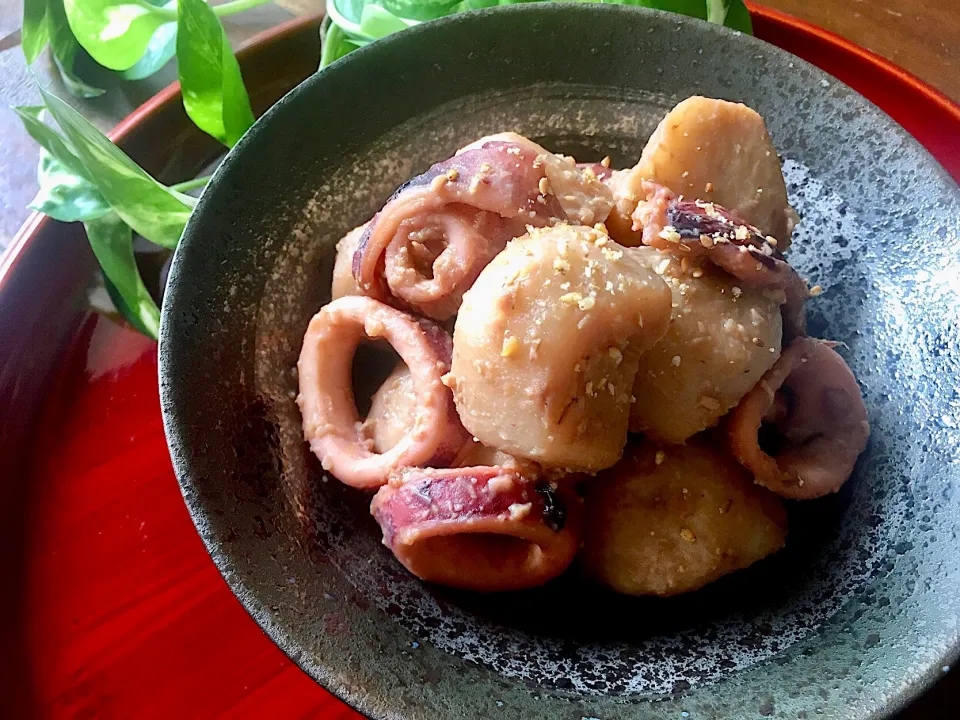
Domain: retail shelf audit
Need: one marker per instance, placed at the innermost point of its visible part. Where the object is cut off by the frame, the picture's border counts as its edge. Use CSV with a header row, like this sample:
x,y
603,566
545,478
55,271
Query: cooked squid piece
x,y
695,229
716,151
479,528
434,236
578,187
801,429
584,197
546,347
343,281
330,421
669,520
722,338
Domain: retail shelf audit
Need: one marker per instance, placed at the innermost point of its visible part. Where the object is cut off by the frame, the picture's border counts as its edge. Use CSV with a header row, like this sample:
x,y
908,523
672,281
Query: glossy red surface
x,y
125,614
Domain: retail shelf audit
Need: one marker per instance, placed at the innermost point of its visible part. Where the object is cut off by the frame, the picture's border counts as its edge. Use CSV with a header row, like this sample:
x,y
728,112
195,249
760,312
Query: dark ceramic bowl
x,y
855,617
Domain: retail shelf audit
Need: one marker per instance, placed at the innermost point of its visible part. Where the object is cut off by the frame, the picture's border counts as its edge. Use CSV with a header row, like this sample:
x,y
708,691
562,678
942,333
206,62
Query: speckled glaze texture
x,y
852,619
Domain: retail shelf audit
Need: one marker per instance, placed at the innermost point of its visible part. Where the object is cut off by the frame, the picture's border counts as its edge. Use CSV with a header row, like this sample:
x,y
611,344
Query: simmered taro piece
x,y
668,520
722,338
716,151
546,346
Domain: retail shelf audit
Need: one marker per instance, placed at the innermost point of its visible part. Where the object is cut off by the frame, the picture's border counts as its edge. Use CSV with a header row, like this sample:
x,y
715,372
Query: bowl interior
x,y
852,617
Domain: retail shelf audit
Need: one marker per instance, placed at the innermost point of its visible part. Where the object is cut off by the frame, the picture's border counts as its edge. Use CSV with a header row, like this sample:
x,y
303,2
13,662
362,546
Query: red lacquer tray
x,y
111,607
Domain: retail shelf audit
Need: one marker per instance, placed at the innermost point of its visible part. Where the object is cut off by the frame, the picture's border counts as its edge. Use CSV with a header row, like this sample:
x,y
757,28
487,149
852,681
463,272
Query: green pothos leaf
x,y
66,50
213,92
35,29
116,33
64,194
156,212
112,242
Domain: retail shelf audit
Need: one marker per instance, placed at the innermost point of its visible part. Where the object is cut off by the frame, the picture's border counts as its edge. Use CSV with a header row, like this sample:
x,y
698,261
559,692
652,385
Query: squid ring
x,y
330,419
479,528
812,404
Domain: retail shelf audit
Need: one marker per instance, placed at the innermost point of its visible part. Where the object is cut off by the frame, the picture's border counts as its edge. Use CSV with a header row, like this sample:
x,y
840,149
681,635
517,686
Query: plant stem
x,y
238,6
191,184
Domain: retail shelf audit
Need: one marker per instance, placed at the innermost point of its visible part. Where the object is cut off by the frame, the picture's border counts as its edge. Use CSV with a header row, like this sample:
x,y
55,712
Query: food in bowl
x,y
595,363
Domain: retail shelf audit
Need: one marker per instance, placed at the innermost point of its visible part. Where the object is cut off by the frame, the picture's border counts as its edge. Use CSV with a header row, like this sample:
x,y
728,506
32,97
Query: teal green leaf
x,y
358,22
48,138
116,33
125,310
335,44
351,10
160,50
66,50
418,9
65,195
35,29
738,18
213,92
154,211
377,22
112,243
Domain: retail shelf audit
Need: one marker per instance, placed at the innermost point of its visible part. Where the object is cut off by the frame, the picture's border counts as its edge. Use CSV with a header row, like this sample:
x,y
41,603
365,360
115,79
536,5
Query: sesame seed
x,y
589,389
452,174
758,342
706,241
544,186
815,291
684,265
616,355
687,534
605,162
709,187
670,234
659,457
571,298
685,173
662,266
675,361
736,291
697,273
510,346
709,403
640,319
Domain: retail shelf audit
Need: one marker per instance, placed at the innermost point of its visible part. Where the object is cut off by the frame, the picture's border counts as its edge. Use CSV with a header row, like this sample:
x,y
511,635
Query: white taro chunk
x,y
669,520
393,410
546,346
343,281
721,340
717,151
